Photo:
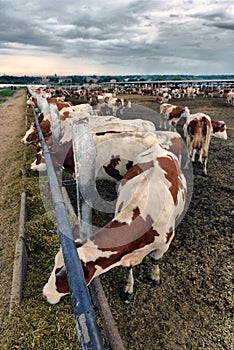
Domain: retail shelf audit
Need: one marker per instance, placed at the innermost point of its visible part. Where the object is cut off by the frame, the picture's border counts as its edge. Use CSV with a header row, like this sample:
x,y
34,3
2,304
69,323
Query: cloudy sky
x,y
120,37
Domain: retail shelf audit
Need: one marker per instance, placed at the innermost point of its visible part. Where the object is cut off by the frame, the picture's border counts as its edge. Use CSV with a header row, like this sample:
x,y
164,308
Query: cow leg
x,y
155,276
161,122
189,146
186,166
155,272
127,294
200,156
171,127
205,166
193,154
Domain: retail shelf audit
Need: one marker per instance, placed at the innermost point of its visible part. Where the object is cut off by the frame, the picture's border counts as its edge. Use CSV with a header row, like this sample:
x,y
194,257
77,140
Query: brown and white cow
x,y
171,141
117,143
208,92
32,101
165,97
67,112
59,101
219,129
110,105
31,135
198,130
151,196
172,113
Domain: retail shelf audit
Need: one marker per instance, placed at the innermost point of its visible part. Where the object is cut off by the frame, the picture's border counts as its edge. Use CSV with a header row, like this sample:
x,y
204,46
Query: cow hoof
x,y
126,297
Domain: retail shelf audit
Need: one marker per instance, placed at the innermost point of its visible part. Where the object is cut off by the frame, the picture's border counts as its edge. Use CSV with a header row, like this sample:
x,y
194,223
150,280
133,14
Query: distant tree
x,y
177,77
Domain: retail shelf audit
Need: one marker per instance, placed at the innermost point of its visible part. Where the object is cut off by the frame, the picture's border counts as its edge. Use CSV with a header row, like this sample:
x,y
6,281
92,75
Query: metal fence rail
x,y
84,153
86,325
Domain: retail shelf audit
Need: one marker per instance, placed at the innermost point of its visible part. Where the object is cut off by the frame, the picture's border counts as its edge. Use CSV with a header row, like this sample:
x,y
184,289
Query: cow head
x,y
31,135
39,164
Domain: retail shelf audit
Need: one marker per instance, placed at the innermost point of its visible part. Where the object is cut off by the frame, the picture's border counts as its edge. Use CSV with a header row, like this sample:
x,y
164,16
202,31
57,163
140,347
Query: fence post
x,y
55,122
43,105
84,150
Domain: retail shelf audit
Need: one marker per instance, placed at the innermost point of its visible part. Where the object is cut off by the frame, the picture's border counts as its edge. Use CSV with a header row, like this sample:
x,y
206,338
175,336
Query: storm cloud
x,y
121,37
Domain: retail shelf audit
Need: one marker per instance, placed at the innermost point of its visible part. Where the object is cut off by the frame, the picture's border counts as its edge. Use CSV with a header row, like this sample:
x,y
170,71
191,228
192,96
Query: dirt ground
x,y
12,122
193,306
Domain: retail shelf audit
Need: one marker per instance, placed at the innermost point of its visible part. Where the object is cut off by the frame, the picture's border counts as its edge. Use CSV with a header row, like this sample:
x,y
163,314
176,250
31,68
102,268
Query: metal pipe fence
x,y
86,324
84,156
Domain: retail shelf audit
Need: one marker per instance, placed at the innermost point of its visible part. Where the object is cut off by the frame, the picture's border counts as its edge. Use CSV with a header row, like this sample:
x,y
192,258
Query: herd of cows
x,y
164,94
146,163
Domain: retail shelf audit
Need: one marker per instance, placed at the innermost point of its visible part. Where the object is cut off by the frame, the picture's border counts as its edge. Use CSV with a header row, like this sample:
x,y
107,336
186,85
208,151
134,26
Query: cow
x,y
176,93
107,124
31,135
111,105
208,92
197,131
32,101
151,195
66,112
219,129
190,92
163,98
159,99
230,97
59,101
171,141
117,143
172,113
39,163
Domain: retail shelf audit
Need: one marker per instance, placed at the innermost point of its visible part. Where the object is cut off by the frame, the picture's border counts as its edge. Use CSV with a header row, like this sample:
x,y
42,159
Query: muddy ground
x,y
193,306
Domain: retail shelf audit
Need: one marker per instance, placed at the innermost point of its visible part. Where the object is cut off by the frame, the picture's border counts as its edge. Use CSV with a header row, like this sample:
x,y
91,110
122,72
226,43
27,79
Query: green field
x,y
5,93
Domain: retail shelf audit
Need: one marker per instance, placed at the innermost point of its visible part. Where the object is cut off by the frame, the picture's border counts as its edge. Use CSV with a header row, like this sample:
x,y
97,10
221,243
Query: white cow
x,y
230,97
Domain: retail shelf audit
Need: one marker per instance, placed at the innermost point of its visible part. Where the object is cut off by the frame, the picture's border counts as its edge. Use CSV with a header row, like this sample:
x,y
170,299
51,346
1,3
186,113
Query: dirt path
x,y
12,114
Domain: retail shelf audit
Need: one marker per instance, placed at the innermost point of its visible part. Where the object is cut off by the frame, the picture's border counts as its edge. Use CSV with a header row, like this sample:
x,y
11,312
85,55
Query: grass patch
x,y
5,93
35,324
